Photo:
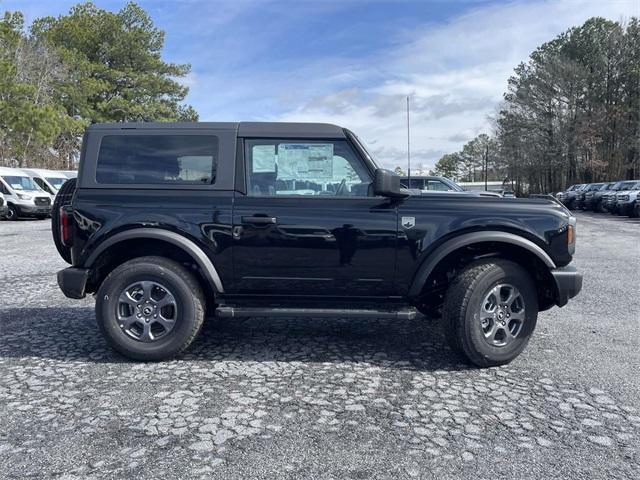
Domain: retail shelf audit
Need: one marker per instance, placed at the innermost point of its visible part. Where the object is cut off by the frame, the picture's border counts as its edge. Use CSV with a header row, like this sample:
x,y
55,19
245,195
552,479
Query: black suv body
x,y
168,221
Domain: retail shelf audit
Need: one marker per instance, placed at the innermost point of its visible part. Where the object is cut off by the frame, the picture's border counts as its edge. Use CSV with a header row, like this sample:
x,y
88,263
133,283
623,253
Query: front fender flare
x,y
180,241
467,239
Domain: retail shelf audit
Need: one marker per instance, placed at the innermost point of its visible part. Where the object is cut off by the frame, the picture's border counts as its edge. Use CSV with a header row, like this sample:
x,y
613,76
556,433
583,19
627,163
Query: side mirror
x,y
387,184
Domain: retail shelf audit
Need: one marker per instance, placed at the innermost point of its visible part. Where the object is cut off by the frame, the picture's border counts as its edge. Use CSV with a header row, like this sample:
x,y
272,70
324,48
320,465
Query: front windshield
x,y
365,149
627,186
19,183
56,182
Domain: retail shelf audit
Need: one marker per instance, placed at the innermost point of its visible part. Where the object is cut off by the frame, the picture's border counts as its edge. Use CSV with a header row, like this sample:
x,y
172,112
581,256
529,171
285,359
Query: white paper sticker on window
x,y
264,158
311,161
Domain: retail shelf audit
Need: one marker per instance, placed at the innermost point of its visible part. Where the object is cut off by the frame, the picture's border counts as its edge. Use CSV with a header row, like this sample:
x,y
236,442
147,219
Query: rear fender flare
x,y
180,241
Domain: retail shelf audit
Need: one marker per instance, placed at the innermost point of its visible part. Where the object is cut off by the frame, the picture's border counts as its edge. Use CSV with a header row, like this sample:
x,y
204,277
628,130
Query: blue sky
x,y
352,62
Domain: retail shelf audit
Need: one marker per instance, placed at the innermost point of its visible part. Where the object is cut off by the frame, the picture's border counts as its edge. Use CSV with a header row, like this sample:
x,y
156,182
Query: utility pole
x,y
486,165
408,148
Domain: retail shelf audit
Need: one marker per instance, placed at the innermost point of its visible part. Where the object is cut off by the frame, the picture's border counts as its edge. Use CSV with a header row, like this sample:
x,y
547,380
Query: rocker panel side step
x,y
233,312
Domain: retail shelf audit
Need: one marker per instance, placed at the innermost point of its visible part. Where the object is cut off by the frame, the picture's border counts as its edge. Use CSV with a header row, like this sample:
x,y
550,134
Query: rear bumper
x,y
568,284
73,281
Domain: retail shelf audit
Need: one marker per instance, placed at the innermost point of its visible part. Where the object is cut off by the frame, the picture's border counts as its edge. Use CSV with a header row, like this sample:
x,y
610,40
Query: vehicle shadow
x,y
71,334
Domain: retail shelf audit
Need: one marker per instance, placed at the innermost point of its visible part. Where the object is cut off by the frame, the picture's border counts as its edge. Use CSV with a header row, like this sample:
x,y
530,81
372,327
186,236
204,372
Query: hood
x,y
538,203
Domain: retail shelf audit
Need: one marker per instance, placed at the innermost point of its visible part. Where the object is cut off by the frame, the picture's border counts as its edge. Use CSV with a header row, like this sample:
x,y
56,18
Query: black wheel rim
x,y
146,311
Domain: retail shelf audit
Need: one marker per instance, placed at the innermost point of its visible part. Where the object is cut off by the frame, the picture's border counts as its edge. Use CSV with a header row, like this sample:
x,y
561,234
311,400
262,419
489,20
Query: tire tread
x,y
193,286
456,304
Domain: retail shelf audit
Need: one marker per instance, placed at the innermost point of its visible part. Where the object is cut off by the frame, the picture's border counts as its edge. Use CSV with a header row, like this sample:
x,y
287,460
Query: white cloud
x,y
455,74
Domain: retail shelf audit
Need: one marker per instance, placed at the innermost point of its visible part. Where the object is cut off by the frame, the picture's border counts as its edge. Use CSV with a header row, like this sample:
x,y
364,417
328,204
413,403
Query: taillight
x,y
65,227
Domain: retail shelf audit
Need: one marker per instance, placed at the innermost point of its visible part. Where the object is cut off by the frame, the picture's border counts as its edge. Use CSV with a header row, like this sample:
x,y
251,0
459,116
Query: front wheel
x,y
150,308
12,213
490,311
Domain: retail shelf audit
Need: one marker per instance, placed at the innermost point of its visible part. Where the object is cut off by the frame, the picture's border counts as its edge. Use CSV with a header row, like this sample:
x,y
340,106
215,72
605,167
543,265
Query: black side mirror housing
x,y
387,184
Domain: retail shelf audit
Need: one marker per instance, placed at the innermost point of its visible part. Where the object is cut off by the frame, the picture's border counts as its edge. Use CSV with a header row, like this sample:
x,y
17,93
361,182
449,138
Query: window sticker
x,y
305,161
264,158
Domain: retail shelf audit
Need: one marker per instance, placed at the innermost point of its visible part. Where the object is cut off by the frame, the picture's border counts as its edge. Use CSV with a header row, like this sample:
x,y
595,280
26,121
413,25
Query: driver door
x,y
308,224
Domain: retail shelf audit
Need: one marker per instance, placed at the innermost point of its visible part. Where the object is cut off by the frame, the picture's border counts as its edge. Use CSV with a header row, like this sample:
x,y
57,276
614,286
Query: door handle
x,y
260,220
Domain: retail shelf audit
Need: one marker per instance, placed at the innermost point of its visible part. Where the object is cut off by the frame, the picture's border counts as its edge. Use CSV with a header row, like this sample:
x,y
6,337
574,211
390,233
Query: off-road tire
x,y
64,198
461,322
184,287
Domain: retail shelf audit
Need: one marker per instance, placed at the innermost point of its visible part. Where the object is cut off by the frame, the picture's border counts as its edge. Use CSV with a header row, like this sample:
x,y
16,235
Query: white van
x,y
48,180
3,206
23,196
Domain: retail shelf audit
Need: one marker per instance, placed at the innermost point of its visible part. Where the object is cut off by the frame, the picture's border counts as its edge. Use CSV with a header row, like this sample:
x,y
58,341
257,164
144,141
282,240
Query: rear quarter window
x,y
157,159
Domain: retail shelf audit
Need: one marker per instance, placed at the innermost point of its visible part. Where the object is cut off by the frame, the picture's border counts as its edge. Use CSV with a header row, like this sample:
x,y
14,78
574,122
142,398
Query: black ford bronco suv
x,y
169,222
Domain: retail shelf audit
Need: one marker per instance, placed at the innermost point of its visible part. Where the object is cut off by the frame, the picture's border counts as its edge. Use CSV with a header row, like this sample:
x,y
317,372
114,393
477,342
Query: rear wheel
x,y
490,311
150,308
64,198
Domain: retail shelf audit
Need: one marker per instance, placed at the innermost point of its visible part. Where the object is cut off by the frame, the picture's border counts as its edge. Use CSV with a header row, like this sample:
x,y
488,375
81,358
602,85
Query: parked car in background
x,y
3,207
433,183
70,173
48,180
23,196
592,197
636,208
568,197
582,194
625,200
609,198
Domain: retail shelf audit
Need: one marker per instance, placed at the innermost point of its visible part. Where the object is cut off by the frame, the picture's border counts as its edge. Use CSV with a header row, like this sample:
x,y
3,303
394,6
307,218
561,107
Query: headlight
x,y
624,198
23,196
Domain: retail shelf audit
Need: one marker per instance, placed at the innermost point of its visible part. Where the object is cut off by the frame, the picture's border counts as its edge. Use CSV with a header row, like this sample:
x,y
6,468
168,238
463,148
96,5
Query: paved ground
x,y
323,398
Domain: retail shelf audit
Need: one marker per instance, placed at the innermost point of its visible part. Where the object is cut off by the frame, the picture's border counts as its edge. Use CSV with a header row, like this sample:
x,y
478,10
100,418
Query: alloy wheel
x,y
502,315
146,311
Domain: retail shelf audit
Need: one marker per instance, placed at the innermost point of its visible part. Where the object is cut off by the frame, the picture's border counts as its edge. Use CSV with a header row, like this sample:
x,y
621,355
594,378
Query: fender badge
x,y
408,222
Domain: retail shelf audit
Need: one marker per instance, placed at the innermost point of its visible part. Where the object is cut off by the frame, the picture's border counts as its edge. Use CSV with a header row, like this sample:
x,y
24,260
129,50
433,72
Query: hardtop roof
x,y
243,129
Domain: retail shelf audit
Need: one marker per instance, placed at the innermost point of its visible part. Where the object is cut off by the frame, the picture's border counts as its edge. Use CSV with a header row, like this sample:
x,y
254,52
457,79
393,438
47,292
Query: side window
x,y
157,159
42,185
417,183
437,185
315,168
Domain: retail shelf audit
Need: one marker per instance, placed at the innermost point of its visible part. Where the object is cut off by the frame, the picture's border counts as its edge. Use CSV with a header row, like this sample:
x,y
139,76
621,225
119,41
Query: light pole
x,y
408,148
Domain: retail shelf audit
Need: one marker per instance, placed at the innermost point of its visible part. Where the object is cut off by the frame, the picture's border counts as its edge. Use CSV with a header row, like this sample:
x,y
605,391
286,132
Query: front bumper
x,y
624,208
73,281
3,211
32,210
568,284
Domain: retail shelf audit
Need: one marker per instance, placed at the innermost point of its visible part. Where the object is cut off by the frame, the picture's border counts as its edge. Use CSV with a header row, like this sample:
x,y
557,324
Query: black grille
x,y
42,201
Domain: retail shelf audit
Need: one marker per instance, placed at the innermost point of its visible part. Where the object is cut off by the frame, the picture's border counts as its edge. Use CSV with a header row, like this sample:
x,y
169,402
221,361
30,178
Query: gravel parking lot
x,y
303,398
